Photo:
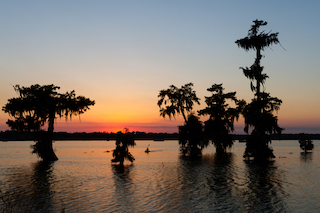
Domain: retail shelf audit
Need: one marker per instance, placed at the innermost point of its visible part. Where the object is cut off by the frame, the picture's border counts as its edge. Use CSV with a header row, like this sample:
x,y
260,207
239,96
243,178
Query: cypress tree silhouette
x,y
39,105
258,113
221,117
177,100
305,143
191,137
121,152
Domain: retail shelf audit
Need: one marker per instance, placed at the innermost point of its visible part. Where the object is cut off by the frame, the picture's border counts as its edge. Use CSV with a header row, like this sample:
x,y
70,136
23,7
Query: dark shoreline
x,y
60,136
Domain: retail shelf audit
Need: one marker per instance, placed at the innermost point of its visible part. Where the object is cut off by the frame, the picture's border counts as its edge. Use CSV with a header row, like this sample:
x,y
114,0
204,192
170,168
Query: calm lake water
x,y
83,179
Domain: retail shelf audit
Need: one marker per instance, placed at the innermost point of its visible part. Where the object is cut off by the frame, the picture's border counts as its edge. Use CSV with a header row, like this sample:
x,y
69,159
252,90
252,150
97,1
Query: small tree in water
x,y
39,105
305,143
121,152
258,113
191,137
221,117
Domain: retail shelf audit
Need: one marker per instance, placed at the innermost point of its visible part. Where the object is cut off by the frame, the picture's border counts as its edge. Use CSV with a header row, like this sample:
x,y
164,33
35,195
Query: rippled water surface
x,y
83,180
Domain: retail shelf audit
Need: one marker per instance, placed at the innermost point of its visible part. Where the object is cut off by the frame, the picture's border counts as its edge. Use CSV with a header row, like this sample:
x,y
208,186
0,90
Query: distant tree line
x,y
11,135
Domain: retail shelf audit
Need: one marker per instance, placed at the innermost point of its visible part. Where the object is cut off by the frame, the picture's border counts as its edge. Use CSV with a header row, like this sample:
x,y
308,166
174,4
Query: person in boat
x,y
147,150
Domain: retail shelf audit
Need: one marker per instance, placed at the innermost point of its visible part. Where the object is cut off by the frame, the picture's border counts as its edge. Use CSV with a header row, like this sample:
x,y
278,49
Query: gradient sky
x,y
122,53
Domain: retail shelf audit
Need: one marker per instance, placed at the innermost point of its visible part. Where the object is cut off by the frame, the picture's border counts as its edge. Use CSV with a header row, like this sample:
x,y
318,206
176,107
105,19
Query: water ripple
x,y
161,182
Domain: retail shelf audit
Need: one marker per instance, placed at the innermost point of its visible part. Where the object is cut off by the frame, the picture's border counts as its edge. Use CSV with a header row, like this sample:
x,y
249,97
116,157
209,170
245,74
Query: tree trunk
x,y
259,73
49,153
121,162
182,112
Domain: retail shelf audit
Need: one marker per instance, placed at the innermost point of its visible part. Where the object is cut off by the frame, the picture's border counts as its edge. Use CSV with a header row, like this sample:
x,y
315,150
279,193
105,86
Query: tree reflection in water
x,y
192,180
306,157
264,192
222,182
215,183
124,187
208,183
29,189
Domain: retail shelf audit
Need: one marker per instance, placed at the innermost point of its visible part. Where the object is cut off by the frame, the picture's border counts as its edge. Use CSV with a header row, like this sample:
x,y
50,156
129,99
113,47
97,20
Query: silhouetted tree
x,y
181,100
305,143
191,137
121,152
258,113
39,105
177,100
221,116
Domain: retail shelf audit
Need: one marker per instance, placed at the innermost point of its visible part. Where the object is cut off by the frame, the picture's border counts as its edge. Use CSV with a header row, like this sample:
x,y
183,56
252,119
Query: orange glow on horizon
x,y
128,113
162,126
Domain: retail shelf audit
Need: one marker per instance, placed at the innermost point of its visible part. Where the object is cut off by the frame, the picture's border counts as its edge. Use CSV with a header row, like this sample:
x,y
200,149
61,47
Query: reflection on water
x,y
222,182
160,182
122,172
264,192
306,157
214,178
29,189
124,187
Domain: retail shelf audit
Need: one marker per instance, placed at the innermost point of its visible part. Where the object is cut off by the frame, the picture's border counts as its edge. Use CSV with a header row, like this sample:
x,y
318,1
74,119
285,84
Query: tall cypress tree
x,y
259,113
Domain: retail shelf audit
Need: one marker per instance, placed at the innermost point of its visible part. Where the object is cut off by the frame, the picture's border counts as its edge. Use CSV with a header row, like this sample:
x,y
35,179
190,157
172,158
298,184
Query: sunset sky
x,y
122,53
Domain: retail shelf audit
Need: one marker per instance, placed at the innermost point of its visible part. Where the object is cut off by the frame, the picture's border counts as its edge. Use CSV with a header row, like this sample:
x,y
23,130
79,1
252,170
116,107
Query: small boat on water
x,y
147,150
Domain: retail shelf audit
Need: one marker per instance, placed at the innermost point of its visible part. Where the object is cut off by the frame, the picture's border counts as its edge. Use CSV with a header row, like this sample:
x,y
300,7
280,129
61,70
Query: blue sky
x,y
122,53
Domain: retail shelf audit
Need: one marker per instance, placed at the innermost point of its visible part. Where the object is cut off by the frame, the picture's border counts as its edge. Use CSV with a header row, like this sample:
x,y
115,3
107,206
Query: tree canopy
x,y
37,104
258,42
177,101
